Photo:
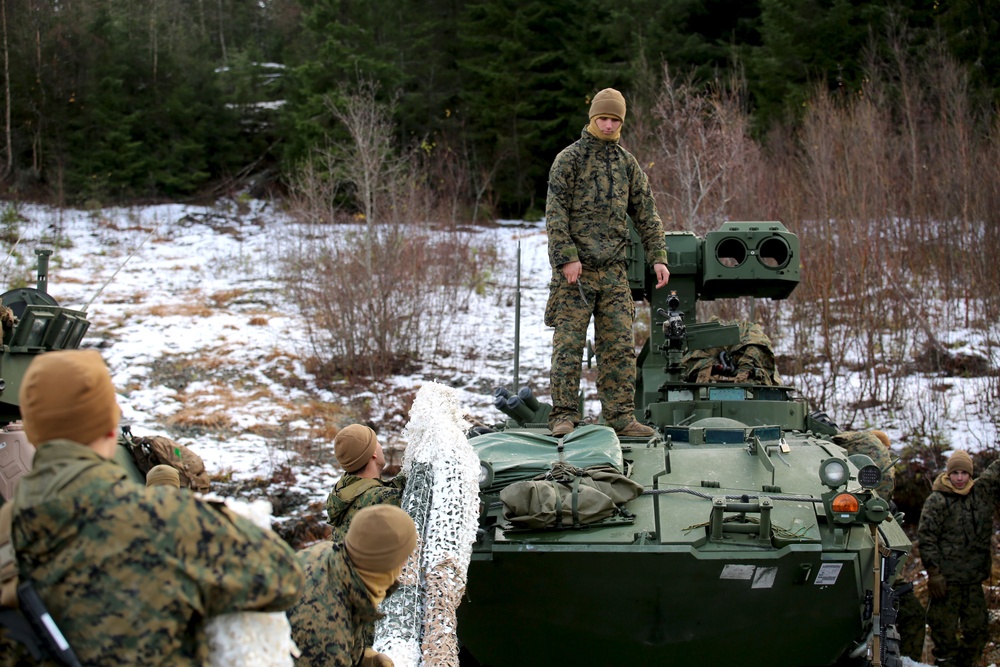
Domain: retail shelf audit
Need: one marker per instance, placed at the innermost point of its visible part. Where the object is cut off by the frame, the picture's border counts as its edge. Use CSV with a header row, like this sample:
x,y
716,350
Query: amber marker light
x,y
845,503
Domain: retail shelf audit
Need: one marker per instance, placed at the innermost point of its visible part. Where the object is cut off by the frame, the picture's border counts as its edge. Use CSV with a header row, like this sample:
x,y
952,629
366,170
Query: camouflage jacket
x,y
955,530
865,442
331,621
129,573
593,184
352,493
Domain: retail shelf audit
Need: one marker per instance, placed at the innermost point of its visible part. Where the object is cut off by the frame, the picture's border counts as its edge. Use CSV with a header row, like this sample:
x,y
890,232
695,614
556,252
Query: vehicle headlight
x,y
485,475
833,473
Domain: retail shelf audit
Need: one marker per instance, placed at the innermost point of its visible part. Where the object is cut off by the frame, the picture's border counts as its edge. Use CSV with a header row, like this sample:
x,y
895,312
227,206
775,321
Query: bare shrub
x,y
379,294
699,156
893,190
377,322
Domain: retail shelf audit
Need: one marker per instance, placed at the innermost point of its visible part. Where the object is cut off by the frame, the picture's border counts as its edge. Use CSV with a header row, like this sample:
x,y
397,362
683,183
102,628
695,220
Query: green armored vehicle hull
x,y
755,539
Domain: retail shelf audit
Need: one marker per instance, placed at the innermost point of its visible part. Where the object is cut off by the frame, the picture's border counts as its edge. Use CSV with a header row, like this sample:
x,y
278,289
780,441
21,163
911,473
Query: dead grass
x,y
225,298
192,309
325,419
198,419
132,298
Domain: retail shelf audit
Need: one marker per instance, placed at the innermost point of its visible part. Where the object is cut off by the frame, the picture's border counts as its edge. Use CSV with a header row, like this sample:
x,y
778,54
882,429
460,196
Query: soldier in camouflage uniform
x,y
360,455
874,445
956,526
752,359
128,573
593,184
345,583
163,475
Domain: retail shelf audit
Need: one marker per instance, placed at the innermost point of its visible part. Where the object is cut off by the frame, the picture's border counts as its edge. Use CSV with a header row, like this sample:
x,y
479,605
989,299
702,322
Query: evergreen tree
x,y
972,30
806,43
352,41
522,93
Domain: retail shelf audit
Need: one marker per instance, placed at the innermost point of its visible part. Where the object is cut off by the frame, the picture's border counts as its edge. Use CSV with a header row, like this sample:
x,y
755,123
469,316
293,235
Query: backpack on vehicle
x,y
150,451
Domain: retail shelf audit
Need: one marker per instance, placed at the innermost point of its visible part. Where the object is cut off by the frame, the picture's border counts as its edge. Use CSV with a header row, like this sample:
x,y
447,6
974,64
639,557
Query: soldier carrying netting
x,y
360,454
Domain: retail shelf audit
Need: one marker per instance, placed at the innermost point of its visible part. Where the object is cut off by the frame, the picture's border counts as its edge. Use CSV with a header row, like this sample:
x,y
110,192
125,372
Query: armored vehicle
x,y
33,322
753,540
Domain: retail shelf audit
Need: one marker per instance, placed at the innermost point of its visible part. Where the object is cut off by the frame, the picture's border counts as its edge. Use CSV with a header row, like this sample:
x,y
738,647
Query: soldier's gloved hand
x,y
373,658
936,584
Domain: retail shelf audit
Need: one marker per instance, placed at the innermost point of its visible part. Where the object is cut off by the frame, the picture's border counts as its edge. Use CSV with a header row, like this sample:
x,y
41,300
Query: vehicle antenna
x,y
122,266
517,323
12,249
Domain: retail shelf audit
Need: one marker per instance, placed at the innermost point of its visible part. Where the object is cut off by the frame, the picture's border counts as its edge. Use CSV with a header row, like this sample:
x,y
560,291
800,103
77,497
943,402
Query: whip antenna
x,y
122,266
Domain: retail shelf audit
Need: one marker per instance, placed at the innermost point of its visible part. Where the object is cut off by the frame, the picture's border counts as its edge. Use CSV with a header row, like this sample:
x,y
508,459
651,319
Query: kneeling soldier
x,y
345,583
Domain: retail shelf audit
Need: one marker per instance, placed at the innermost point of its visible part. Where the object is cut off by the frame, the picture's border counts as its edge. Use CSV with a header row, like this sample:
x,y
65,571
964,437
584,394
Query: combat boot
x,y
561,427
635,430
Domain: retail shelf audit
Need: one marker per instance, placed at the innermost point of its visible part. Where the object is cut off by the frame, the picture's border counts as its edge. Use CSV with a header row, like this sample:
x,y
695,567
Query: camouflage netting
x,y
263,639
442,496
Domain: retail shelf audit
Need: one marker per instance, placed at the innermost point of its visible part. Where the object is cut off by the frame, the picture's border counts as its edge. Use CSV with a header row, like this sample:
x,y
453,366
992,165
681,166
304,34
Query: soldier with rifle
x,y
128,574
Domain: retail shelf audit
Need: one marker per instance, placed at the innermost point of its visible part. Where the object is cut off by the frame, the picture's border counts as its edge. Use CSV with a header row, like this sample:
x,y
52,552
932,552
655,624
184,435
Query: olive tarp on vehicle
x,y
523,456
568,496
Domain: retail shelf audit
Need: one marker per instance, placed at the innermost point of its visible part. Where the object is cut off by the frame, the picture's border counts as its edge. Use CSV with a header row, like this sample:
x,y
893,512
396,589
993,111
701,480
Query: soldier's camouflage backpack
x,y
151,451
750,360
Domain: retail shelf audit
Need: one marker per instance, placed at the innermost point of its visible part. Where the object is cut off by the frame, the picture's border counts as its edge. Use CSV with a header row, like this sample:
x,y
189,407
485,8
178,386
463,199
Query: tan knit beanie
x,y
608,102
353,446
882,437
381,538
68,394
163,475
960,460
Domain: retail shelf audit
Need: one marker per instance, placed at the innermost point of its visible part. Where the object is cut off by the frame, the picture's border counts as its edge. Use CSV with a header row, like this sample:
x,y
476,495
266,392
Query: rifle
x,y
33,626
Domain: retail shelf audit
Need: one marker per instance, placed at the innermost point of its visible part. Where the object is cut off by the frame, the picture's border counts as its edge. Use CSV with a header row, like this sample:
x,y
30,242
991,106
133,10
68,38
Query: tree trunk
x,y
9,168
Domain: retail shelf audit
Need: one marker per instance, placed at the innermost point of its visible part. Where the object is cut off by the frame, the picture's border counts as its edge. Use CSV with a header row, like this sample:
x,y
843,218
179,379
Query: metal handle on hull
x,y
718,525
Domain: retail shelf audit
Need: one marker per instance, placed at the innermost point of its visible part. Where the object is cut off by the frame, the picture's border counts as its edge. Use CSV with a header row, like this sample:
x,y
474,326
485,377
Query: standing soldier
x,y
956,526
128,573
345,583
593,185
360,455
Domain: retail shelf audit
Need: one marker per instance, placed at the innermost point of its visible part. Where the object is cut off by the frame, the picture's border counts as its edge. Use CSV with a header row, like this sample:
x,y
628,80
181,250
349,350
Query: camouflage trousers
x,y
603,294
910,624
961,612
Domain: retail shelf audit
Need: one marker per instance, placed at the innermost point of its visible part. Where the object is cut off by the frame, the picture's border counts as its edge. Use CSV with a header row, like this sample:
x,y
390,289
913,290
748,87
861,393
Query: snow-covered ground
x,y
206,346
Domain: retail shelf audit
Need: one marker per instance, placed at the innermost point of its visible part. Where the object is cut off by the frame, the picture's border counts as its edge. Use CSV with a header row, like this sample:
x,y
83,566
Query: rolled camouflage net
x,y
442,497
263,639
